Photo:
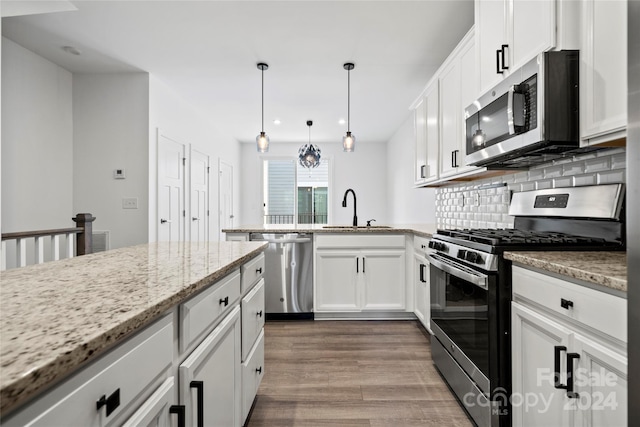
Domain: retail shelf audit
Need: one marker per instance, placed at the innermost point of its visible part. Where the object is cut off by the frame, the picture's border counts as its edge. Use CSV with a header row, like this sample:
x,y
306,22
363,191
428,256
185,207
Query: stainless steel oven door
x,y
460,307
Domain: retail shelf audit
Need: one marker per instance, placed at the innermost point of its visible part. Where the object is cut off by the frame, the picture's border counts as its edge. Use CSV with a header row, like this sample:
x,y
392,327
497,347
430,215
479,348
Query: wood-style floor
x,y
352,373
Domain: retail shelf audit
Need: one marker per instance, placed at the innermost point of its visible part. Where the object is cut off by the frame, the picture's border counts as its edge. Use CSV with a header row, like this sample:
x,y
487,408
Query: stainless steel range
x,y
471,286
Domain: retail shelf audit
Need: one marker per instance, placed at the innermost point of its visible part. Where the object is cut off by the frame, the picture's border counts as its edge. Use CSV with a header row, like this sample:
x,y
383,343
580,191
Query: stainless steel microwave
x,y
530,117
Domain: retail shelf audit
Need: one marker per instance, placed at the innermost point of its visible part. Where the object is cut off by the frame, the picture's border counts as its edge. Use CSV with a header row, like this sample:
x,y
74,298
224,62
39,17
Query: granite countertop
x,y
607,269
57,315
423,230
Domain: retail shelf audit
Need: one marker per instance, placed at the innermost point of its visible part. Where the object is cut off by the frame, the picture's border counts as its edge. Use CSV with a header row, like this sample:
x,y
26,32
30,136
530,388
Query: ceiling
x,y
207,52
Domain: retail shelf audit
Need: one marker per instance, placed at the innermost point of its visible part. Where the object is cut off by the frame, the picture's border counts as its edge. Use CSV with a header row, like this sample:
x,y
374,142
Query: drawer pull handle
x,y
111,402
224,301
570,393
565,303
422,268
259,314
556,366
259,270
259,370
180,411
199,386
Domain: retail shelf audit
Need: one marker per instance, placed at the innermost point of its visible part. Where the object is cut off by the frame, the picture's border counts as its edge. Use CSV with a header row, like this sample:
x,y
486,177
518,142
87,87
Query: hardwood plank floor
x,y
352,373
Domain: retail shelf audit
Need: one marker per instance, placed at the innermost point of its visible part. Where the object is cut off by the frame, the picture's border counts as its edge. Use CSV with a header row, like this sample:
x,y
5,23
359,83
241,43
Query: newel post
x,y
84,238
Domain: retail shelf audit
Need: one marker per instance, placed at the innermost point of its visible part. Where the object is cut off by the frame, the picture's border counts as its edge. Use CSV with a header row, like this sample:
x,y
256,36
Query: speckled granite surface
x,y
602,268
56,315
423,230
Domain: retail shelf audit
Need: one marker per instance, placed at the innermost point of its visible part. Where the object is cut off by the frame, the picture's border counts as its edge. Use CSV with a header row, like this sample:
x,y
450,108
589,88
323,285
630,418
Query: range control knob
x,y
462,254
474,257
438,246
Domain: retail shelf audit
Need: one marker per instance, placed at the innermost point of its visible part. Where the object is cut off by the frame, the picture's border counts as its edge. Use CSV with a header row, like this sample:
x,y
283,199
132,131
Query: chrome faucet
x,y
344,205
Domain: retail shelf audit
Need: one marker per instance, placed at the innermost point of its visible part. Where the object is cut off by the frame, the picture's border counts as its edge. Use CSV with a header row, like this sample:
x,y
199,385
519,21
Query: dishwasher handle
x,y
290,240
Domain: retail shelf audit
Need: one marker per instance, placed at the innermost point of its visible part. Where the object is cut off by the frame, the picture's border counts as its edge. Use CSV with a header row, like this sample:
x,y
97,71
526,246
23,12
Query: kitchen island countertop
x,y
56,316
423,230
608,269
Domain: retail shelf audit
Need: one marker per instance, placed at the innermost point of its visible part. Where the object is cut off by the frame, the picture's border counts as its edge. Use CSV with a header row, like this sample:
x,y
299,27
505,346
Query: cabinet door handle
x,y
259,270
224,301
357,265
112,402
180,411
570,393
498,70
423,173
565,303
259,314
363,264
422,267
455,158
199,386
502,54
556,366
259,370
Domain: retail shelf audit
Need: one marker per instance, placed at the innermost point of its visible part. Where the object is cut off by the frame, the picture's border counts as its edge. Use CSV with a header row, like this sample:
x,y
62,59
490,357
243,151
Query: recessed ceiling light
x,y
342,121
277,122
72,50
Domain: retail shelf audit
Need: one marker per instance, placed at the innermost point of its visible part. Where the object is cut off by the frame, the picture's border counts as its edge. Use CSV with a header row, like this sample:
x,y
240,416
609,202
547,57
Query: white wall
x,y
407,205
111,119
37,149
364,171
184,123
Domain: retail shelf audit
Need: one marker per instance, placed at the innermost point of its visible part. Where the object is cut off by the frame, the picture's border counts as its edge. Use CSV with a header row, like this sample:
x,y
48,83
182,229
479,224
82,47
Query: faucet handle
x,y
369,222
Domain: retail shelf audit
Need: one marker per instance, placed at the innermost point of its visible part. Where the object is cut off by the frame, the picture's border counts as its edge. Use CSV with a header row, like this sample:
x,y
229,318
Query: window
x,y
294,194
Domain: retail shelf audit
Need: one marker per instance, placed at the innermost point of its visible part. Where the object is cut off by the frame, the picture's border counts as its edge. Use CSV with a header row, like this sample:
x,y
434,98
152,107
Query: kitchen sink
x,y
354,226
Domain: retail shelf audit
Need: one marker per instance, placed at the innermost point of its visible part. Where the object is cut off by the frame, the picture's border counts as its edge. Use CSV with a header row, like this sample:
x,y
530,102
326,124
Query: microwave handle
x,y
515,110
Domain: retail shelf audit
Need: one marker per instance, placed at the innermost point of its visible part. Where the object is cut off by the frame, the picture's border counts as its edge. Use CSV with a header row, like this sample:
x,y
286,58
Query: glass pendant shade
x,y
348,143
308,154
262,142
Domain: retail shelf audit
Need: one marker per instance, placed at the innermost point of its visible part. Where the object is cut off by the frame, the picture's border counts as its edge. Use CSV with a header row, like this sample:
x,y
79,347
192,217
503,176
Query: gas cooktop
x,y
513,237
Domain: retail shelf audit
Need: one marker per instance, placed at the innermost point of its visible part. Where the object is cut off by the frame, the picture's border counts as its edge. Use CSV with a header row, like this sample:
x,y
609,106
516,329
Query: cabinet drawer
x,y
252,317
251,272
199,313
252,373
74,403
356,240
598,310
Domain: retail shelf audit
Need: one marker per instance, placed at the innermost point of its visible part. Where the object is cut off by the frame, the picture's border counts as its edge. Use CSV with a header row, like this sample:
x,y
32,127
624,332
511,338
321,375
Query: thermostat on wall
x,y
118,173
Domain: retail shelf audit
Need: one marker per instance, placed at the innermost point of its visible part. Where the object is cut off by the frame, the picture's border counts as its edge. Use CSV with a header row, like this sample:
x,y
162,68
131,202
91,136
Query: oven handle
x,y
479,281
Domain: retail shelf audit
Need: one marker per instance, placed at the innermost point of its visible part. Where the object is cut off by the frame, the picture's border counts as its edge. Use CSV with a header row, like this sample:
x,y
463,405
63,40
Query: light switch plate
x,y
129,203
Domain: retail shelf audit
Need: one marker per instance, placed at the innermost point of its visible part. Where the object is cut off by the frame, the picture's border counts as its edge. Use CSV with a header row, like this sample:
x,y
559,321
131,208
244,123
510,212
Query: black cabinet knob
x,y
565,303
224,301
112,402
259,370
259,270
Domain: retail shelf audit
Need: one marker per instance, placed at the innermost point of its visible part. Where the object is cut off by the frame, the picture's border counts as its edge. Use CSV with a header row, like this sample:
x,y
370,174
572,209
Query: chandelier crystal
x,y
308,154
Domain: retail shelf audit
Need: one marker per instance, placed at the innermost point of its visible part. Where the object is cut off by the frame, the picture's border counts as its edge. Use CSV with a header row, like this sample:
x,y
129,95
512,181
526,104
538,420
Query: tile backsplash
x,y
484,203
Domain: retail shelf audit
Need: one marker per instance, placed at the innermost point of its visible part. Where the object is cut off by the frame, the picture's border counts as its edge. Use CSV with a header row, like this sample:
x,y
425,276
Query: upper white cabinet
x,y
427,135
509,33
458,86
603,71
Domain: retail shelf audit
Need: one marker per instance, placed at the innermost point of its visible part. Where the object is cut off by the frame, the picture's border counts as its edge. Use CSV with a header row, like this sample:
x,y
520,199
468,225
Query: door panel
x,y
171,159
225,197
199,187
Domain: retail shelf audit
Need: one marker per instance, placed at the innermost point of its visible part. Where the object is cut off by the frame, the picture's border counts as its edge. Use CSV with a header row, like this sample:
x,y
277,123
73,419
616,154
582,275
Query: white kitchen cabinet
x,y
509,33
252,306
210,378
422,291
253,370
237,237
427,135
603,71
157,410
100,394
457,83
567,335
355,273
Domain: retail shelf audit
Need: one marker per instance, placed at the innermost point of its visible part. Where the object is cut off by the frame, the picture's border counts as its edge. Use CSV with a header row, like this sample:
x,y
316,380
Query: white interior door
x,y
199,190
171,161
225,196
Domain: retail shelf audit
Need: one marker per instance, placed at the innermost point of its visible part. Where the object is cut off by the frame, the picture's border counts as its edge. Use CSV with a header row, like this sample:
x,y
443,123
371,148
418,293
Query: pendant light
x,y
348,141
262,140
309,155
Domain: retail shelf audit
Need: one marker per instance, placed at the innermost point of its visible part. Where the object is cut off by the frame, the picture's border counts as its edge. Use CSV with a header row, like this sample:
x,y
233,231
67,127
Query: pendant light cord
x,y
262,99
348,100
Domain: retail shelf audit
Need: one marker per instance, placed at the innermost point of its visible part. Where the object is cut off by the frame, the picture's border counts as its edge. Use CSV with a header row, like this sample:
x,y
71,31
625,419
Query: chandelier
x,y
309,155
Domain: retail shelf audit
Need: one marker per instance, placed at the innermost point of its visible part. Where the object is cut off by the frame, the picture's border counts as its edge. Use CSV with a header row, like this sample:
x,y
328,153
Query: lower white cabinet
x,y
157,410
210,378
422,291
102,393
252,373
360,273
565,372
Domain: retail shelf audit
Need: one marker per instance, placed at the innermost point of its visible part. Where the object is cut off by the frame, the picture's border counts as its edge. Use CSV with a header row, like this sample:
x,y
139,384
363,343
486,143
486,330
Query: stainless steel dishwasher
x,y
288,276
